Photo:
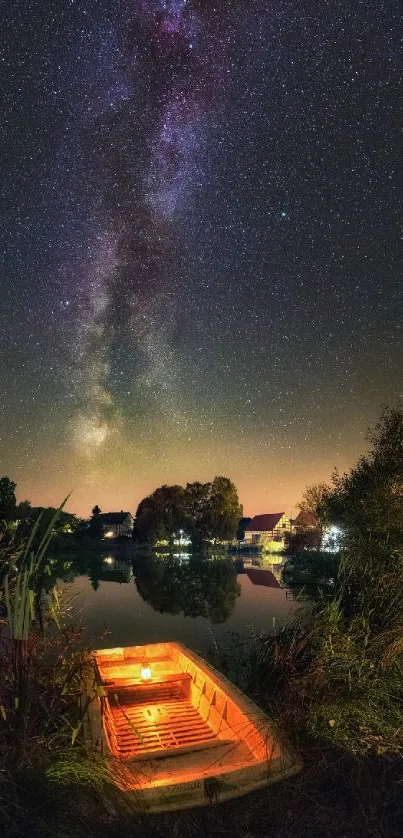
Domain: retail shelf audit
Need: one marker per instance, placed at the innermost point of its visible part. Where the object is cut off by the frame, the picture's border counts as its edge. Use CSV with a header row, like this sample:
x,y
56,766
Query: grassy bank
x,y
347,786
330,685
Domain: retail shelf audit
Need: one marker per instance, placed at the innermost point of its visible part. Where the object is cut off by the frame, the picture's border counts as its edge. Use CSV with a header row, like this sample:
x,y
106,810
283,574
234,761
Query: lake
x,y
196,601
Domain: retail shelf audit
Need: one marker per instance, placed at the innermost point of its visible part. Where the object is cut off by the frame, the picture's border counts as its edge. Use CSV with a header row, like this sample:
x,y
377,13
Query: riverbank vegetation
x,y
311,573
41,673
347,664
332,680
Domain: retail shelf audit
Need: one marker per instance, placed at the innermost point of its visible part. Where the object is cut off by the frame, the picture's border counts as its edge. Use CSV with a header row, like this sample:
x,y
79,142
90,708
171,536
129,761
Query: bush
x,y
312,570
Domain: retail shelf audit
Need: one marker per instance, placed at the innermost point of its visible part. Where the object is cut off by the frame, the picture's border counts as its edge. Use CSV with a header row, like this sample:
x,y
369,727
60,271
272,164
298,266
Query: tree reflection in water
x,y
197,588
99,567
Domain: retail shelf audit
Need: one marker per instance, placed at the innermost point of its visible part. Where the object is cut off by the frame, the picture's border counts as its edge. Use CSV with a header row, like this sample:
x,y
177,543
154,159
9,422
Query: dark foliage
x,y
205,511
304,538
313,570
7,498
242,524
367,505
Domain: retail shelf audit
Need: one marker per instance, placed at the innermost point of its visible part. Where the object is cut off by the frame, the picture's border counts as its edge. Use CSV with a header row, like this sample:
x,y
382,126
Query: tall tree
x,y
168,501
148,523
203,510
7,498
198,512
96,528
367,504
312,499
225,509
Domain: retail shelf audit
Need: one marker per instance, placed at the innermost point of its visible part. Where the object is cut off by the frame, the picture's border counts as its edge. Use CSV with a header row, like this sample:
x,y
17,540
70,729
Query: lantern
x,y
145,671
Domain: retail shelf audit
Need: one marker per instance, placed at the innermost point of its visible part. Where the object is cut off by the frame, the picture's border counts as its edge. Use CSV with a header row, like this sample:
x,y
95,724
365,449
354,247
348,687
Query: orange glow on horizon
x,y
266,480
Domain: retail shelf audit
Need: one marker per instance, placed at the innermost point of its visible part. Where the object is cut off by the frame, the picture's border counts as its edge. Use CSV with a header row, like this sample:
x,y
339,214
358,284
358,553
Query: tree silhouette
x,y
367,505
95,528
7,498
204,510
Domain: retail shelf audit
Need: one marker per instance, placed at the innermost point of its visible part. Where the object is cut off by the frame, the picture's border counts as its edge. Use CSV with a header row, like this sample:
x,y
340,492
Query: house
x,y
306,520
116,523
270,527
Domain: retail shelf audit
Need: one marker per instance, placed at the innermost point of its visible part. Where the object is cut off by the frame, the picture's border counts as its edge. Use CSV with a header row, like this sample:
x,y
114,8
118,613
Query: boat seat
x,y
155,692
185,749
129,681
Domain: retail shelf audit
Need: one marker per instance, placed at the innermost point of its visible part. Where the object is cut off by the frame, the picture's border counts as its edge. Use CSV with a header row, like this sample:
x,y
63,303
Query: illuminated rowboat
x,y
179,733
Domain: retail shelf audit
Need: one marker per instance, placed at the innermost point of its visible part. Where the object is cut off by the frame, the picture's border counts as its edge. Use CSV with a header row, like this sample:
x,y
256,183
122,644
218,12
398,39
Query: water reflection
x,y
194,600
110,569
311,575
260,570
97,566
191,586
262,577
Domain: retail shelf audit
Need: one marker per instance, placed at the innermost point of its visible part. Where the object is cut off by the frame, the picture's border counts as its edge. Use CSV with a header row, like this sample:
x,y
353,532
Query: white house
x,y
116,523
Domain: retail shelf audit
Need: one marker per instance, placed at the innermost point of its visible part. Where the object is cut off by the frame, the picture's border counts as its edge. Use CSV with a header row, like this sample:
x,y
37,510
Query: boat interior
x,y
162,701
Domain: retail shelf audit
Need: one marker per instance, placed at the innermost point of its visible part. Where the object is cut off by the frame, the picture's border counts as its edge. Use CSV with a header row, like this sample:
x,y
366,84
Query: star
x,y
201,245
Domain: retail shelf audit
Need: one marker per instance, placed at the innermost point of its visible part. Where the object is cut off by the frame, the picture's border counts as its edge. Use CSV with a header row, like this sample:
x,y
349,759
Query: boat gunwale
x,y
163,794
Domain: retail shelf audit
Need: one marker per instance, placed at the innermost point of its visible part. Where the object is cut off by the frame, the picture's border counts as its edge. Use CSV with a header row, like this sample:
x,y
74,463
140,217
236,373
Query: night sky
x,y
201,243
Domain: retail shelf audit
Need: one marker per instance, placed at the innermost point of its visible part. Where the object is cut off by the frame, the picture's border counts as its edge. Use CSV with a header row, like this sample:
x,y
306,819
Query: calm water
x,y
195,601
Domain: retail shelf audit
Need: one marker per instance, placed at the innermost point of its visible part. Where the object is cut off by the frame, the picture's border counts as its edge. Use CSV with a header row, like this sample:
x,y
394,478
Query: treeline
x,y
23,514
204,511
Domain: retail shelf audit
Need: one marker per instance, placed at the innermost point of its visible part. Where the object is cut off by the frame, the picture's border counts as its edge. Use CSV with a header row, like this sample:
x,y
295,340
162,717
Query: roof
x,y
305,518
264,523
113,517
262,577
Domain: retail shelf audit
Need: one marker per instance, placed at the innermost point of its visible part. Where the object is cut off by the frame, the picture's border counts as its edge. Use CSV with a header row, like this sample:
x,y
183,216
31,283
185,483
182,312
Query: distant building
x,y
306,519
270,527
116,523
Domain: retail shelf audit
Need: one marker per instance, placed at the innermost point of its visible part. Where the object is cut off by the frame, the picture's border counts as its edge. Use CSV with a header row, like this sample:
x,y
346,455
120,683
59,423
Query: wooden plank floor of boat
x,y
170,726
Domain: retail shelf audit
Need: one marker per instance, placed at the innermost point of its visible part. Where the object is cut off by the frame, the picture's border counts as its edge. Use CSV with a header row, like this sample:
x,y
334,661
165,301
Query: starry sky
x,y
201,243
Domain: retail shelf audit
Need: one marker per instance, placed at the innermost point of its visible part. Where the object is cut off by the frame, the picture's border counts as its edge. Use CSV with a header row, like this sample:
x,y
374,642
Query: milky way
x,y
151,120
202,243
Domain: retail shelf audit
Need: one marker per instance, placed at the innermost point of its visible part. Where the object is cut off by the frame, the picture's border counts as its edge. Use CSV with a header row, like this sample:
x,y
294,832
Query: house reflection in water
x,y
262,577
109,569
